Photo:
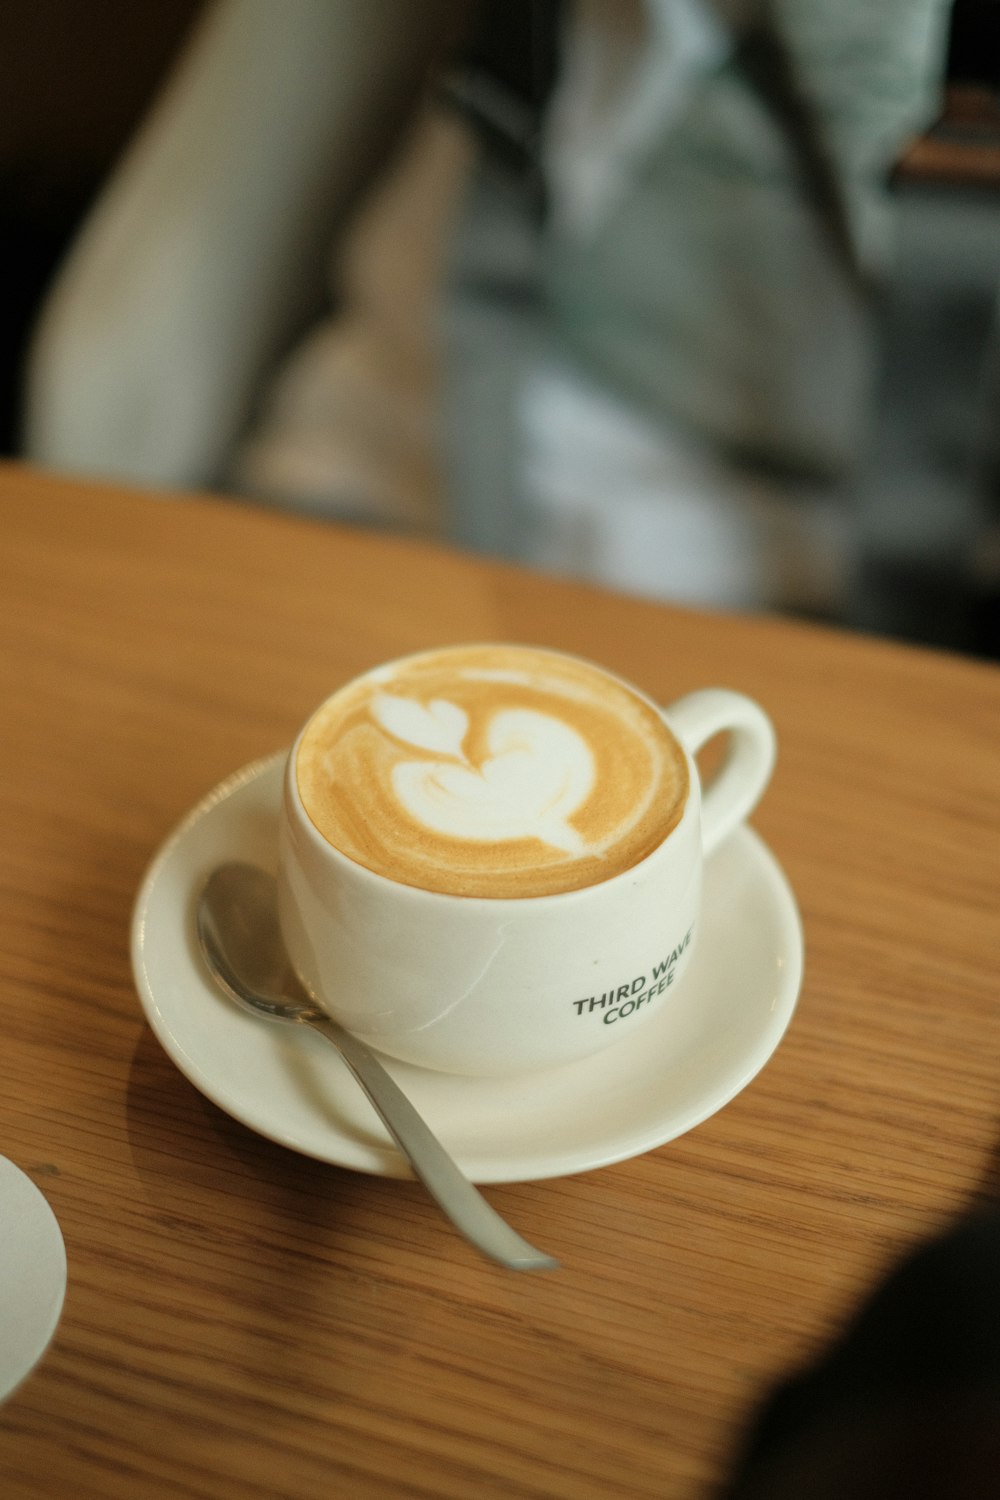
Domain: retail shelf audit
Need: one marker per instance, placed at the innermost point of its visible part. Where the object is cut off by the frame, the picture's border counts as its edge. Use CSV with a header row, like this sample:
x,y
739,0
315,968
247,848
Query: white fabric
x,y
627,67
615,499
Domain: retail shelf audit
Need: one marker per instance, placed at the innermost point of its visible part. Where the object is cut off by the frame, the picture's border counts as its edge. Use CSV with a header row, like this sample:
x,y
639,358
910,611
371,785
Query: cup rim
x,y
292,797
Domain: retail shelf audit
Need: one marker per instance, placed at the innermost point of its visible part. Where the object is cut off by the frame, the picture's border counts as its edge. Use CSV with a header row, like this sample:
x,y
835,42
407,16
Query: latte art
x,y
497,771
538,773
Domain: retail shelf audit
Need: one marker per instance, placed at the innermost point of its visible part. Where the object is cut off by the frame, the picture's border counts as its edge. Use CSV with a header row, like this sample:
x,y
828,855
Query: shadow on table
x,y
904,1404
986,1194
213,1178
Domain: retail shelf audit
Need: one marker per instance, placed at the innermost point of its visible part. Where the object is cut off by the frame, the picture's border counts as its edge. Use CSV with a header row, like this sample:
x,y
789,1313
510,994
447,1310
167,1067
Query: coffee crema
x,y
500,771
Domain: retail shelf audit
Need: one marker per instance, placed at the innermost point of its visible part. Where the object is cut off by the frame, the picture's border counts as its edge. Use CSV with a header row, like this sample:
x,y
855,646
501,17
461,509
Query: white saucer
x,y
32,1275
289,1084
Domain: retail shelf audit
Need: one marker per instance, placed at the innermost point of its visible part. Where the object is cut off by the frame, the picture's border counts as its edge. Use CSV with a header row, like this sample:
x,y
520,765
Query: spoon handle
x,y
463,1204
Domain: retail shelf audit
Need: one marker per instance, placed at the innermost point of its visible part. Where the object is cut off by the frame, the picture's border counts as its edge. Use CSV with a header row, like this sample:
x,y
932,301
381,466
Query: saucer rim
x,y
340,1148
34,1237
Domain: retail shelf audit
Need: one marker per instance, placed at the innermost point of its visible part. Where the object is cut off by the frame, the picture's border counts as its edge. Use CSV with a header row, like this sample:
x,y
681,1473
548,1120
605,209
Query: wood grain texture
x,y
242,1321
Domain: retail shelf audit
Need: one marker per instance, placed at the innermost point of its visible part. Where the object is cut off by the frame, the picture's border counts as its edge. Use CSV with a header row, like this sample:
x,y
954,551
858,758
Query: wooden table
x,y
244,1321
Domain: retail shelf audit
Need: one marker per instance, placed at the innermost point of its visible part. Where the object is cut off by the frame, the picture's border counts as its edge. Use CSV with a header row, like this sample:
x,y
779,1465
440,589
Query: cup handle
x,y
739,784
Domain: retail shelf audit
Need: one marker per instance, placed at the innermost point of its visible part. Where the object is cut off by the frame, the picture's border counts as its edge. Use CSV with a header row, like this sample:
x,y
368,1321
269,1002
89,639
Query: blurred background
x,y
696,298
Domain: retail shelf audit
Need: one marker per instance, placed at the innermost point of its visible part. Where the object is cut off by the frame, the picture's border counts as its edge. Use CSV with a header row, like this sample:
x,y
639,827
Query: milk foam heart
x,y
439,725
538,774
499,771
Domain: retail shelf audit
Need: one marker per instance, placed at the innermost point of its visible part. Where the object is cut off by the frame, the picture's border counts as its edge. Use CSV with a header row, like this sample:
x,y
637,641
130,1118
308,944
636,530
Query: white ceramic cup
x,y
488,985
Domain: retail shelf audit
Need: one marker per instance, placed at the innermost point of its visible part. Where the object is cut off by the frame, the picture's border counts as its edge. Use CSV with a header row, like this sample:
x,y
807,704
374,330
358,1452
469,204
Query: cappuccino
x,y
499,771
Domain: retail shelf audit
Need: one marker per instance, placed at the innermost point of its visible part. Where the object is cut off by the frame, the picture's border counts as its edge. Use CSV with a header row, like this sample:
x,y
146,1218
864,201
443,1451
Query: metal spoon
x,y
242,944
